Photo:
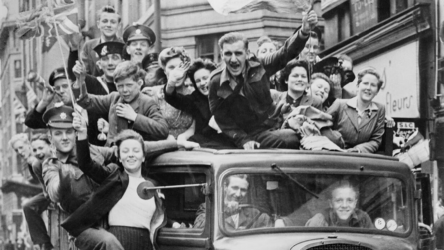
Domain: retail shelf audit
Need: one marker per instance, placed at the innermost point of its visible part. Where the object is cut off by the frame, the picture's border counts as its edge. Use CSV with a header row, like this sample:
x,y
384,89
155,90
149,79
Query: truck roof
x,y
221,160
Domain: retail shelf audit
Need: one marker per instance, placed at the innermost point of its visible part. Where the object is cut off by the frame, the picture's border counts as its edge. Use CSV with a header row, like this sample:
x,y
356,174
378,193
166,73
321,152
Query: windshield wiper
x,y
278,169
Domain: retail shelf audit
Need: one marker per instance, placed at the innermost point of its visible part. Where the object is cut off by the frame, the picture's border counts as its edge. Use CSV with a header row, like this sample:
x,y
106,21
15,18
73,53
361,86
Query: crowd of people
x,y
116,96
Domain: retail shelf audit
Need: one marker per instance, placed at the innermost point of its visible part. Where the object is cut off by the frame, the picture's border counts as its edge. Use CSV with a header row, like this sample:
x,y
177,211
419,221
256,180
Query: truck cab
x,y
289,199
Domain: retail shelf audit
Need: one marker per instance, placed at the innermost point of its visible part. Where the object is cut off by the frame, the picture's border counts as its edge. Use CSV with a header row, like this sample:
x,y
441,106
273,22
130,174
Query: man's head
x,y
41,146
234,51
138,39
343,200
265,46
311,49
129,79
61,133
110,54
61,85
108,21
235,187
20,144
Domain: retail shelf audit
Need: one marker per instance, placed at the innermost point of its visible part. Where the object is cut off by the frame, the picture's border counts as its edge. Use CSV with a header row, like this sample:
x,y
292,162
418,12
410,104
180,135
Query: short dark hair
x,y
128,69
233,37
107,9
42,137
290,66
128,134
198,64
370,71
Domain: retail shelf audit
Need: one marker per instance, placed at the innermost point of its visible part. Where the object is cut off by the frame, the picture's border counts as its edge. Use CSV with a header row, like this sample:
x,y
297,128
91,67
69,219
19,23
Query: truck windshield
x,y
272,200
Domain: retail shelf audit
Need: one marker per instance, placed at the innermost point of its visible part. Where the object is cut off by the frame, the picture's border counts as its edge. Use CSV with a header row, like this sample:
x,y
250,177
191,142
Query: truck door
x,y
183,203
426,239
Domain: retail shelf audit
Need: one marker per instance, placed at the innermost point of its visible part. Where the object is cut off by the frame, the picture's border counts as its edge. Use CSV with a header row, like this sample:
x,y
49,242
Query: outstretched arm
x,y
97,172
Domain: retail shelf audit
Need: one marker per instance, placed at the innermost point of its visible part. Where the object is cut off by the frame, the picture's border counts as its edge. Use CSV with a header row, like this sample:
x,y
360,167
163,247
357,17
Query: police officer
x,y
138,39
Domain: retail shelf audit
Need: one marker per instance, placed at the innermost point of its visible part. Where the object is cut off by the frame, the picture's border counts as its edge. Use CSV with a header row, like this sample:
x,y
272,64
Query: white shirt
x,y
131,210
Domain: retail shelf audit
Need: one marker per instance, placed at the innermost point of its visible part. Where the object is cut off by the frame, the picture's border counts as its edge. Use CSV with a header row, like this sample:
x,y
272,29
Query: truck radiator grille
x,y
339,246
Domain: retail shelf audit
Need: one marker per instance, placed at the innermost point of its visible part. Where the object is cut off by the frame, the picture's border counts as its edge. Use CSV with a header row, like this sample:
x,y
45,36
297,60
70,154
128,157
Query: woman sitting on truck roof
x,y
360,120
133,221
196,103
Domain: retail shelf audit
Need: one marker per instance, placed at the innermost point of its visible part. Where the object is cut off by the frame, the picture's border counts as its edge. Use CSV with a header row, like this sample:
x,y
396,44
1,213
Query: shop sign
x,y
364,14
399,70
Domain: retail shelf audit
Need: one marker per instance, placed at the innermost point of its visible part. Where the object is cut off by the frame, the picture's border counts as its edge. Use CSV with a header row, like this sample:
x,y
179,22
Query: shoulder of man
x,y
215,75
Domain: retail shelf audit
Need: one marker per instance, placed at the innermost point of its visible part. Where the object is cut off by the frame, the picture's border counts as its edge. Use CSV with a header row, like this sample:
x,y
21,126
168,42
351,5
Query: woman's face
x,y
131,155
202,77
320,88
265,49
297,80
171,65
368,88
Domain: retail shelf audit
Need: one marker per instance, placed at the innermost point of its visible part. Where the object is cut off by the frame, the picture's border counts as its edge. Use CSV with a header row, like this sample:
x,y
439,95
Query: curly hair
x,y
173,52
198,64
18,137
128,134
370,71
128,69
285,73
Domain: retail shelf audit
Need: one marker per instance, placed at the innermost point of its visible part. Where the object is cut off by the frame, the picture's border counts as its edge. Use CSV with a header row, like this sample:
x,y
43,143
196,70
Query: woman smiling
x,y
360,120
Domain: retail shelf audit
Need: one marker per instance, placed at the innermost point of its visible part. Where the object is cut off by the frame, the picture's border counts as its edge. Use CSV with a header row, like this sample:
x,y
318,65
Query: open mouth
x,y
234,66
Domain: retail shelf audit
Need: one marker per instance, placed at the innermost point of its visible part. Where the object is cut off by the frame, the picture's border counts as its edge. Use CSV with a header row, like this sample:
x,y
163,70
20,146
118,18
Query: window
x,y
182,204
17,69
345,202
207,47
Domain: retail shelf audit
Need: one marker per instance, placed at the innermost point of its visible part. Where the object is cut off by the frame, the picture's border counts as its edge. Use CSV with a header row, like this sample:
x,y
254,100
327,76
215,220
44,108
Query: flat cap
x,y
57,74
59,117
139,32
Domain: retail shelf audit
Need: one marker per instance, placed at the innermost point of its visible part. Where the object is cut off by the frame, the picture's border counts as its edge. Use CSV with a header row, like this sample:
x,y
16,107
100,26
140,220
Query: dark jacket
x,y
113,181
247,108
149,122
197,105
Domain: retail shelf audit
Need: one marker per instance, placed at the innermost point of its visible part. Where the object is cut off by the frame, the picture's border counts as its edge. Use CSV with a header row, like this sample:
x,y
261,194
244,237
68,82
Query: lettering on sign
x,y
399,70
364,14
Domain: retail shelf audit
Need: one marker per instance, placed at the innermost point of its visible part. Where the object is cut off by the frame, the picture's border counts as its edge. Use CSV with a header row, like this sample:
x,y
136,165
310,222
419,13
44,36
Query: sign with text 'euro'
x,y
399,70
364,14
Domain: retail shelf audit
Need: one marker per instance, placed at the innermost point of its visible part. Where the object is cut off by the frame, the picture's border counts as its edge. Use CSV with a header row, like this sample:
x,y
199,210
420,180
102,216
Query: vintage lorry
x,y
286,188
290,186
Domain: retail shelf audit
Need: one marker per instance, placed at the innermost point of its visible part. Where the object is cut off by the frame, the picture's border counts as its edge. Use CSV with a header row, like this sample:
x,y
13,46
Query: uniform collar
x,y
251,62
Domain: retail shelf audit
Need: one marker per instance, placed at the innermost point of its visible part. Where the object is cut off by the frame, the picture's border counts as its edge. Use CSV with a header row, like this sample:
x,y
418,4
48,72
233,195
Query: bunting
x,y
41,22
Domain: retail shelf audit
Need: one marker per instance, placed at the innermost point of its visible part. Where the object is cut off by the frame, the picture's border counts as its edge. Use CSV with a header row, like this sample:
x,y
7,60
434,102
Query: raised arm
x,y
96,171
292,46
